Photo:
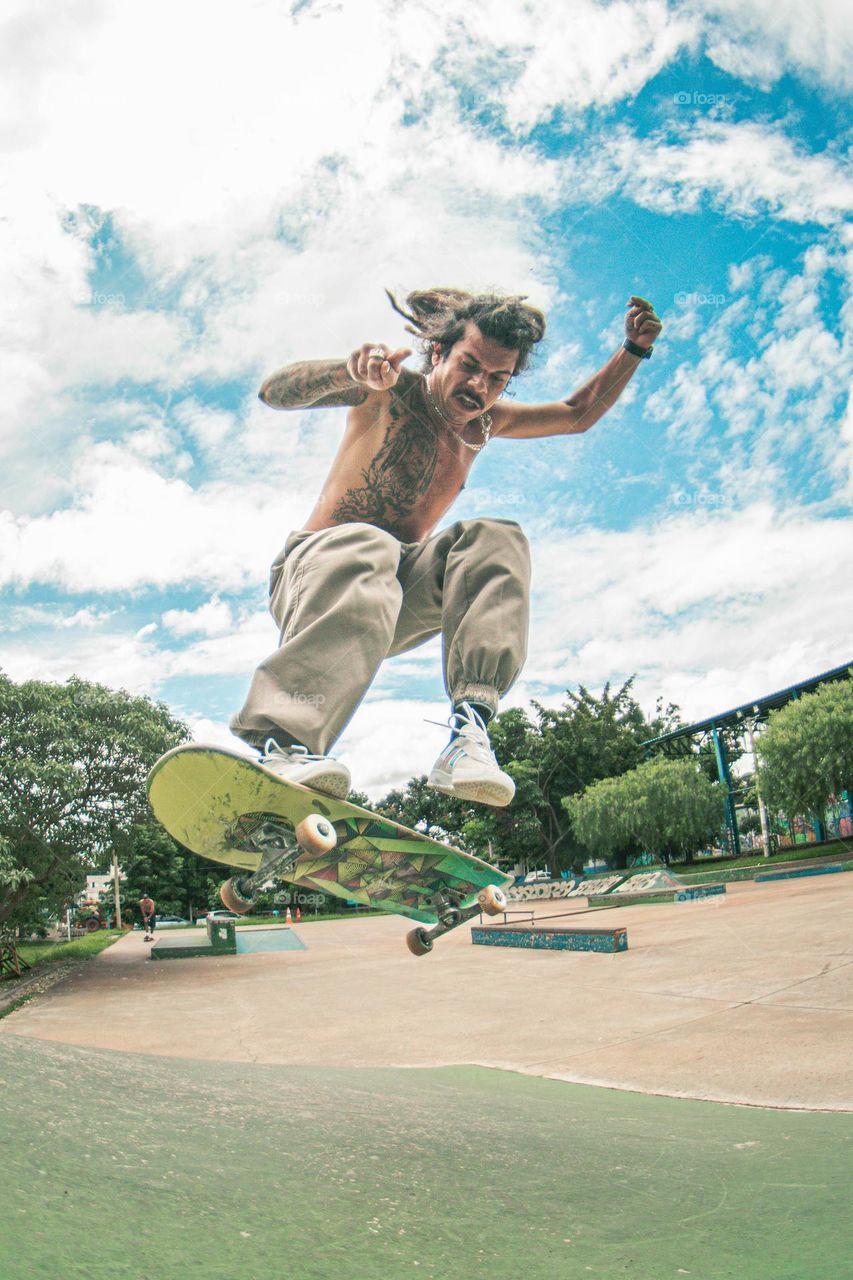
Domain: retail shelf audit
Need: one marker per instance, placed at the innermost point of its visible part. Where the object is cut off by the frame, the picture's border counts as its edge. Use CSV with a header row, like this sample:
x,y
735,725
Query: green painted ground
x,y
115,1165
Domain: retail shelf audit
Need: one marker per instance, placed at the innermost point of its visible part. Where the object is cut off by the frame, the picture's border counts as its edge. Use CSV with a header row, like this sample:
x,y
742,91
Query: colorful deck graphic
x,y
222,805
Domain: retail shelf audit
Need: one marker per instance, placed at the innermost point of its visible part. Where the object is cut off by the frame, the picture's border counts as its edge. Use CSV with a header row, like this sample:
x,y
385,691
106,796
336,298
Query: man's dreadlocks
x,y
438,316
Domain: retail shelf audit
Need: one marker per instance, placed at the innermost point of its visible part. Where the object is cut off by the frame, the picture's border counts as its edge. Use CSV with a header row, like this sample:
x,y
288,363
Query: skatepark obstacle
x,y
222,938
559,938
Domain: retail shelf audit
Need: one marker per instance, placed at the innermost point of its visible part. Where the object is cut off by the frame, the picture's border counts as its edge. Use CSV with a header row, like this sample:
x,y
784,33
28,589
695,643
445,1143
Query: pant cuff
x,y
486,694
257,738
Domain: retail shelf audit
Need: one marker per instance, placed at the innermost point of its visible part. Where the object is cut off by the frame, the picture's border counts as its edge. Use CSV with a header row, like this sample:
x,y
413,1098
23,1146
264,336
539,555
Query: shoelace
x,y
473,728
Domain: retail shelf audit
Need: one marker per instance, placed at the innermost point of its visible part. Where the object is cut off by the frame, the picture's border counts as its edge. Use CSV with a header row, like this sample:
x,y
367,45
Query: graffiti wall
x,y
837,823
563,888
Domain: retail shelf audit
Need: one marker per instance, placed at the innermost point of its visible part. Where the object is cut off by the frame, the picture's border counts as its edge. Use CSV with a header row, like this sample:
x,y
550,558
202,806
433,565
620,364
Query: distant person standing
x,y
146,907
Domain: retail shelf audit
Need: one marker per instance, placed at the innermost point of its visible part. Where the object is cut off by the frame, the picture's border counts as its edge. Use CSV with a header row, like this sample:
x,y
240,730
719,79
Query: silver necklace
x,y
485,423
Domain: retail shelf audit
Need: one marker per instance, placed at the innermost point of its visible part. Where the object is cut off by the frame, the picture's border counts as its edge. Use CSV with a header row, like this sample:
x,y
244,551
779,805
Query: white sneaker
x,y
296,764
467,767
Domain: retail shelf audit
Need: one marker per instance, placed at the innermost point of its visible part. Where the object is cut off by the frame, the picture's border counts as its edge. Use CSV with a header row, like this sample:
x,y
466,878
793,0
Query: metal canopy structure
x,y
741,719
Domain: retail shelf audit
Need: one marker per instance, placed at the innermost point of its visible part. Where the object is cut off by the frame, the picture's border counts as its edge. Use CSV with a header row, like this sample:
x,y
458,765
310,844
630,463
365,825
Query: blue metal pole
x,y
725,778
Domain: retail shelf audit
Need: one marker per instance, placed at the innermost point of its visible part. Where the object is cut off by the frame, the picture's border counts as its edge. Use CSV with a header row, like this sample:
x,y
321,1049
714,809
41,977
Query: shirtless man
x,y
146,910
366,578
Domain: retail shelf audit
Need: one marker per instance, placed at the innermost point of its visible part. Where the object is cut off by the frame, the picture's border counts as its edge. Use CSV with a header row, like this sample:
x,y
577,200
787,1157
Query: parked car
x,y
170,922
534,876
219,914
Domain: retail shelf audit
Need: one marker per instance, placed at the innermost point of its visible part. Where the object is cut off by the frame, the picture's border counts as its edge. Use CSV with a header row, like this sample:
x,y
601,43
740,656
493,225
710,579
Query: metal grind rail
x,y
531,918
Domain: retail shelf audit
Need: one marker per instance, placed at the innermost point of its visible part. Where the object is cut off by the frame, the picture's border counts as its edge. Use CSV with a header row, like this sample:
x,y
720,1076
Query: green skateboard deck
x,y
227,807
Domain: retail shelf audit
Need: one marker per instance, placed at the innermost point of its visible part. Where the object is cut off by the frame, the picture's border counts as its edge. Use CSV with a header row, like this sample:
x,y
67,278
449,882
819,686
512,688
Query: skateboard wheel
x,y
492,900
231,897
418,942
316,834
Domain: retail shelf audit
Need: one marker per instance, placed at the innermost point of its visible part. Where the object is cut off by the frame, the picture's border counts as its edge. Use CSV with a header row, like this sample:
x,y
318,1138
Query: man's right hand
x,y
374,366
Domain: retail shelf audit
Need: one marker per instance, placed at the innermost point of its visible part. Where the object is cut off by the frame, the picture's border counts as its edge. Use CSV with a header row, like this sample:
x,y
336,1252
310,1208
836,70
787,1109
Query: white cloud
x,y
34,619
709,608
592,54
534,60
766,384
389,742
132,526
761,40
746,168
211,619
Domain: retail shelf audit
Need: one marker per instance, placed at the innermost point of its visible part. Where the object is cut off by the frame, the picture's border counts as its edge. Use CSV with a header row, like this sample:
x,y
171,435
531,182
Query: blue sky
x,y
162,251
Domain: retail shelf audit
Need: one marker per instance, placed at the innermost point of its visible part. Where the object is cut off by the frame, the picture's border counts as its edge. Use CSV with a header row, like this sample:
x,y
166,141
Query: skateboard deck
x,y
227,807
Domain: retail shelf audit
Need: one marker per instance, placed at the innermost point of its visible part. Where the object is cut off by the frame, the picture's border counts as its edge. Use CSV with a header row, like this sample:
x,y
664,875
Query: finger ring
x,y
377,353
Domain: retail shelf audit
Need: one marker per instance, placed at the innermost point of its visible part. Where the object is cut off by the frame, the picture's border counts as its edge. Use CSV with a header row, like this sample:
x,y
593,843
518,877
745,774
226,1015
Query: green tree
x,y
417,806
587,739
505,836
666,807
805,753
73,763
181,883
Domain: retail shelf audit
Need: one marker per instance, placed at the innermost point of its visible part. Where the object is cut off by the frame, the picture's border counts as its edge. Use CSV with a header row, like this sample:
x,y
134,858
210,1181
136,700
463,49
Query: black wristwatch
x,y
645,353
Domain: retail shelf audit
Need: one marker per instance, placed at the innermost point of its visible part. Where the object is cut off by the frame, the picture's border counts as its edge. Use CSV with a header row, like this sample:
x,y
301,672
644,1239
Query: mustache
x,y
471,396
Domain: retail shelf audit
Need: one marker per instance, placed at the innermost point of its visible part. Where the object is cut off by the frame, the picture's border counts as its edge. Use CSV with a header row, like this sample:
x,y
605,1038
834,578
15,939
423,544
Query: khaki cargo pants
x,y
347,597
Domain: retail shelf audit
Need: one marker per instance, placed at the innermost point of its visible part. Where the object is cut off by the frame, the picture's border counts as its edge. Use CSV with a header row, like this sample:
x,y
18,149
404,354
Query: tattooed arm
x,y
312,384
322,383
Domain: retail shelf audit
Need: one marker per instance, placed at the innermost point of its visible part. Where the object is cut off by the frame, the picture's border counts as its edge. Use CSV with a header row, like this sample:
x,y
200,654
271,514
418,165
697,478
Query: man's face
x,y
475,371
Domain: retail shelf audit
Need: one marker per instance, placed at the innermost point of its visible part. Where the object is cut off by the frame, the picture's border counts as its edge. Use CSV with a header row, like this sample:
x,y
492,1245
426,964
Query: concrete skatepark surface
x,y
746,998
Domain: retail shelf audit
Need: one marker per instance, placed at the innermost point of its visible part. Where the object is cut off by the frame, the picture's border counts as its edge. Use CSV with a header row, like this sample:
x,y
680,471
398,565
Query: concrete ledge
x,y
795,872
169,948
218,939
224,939
759,869
686,893
564,938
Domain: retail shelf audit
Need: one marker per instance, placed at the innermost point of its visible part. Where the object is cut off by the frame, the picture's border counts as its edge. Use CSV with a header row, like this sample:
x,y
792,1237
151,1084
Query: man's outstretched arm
x,y
591,401
311,384
315,384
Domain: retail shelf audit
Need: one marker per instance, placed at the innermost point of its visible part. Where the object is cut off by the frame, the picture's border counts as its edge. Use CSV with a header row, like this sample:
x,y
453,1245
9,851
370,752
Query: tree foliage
x,y
73,763
181,883
666,807
805,752
559,754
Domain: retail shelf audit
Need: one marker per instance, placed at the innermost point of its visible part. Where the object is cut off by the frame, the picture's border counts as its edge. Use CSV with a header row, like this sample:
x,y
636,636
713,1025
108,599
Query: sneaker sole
x,y
331,784
476,792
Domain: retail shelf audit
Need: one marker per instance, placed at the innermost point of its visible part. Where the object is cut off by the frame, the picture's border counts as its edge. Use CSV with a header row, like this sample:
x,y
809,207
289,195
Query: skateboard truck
x,y
280,849
448,906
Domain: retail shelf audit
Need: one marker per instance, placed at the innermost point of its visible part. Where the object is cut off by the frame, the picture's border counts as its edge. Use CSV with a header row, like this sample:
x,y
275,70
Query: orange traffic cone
x,y
298,914
288,919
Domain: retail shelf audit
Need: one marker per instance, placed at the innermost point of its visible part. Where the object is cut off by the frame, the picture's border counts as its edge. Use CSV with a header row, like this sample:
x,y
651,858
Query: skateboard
x,y
227,807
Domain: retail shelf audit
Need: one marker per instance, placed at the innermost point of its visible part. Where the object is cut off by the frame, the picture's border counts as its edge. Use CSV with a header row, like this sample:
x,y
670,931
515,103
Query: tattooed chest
x,y
408,473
